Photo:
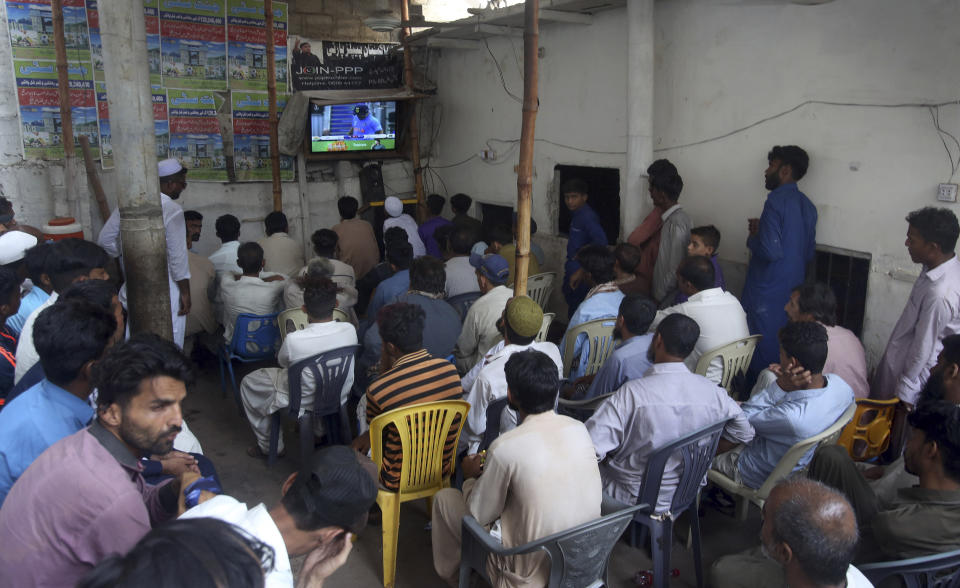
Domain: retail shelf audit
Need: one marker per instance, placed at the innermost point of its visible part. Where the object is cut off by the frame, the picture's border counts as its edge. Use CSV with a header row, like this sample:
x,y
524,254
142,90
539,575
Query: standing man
x,y
674,235
173,181
585,229
932,312
781,243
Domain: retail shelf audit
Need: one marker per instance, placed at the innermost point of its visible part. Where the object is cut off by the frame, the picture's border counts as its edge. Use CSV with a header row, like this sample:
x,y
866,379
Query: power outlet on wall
x,y
947,193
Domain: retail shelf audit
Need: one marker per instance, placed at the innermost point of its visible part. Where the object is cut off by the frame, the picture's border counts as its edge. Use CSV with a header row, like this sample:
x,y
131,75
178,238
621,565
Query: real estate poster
x,y
31,29
195,133
151,17
251,137
193,44
96,46
246,44
103,118
161,124
41,127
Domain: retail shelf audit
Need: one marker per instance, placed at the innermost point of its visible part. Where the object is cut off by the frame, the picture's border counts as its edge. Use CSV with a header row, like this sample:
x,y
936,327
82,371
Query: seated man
x,y
393,206
521,320
281,254
480,333
399,254
786,412
325,246
538,479
319,268
629,360
461,276
265,391
318,512
409,376
201,318
84,497
435,204
808,538
602,301
252,292
367,285
719,314
38,288
224,259
503,243
355,238
627,258
664,405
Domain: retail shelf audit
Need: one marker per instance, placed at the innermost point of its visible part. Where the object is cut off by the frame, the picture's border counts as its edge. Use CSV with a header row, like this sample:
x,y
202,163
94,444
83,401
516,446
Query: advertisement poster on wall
x,y
161,127
41,127
161,123
251,137
193,44
246,44
103,118
195,133
341,65
151,17
31,30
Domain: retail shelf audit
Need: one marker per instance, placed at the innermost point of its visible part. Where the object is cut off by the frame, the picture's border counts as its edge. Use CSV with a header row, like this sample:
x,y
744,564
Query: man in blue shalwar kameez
x,y
781,243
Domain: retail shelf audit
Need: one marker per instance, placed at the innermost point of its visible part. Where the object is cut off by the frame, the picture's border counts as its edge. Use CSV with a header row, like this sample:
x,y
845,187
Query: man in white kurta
x,y
172,183
650,412
480,332
252,292
393,206
932,311
538,479
718,313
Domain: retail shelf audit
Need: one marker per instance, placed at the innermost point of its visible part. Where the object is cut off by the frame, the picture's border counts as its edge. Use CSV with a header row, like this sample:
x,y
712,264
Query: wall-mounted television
x,y
367,126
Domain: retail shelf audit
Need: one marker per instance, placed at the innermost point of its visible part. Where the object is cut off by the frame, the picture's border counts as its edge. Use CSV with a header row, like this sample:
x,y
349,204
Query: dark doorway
x,y
846,272
604,185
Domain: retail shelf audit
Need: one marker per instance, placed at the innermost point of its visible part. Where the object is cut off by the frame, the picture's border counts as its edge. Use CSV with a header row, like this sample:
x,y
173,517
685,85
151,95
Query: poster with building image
x,y
195,133
193,44
31,29
151,18
251,137
41,126
103,118
246,44
96,45
161,123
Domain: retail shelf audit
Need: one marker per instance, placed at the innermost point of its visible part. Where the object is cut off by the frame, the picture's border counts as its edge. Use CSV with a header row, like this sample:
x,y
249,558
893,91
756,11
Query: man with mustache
x,y
84,497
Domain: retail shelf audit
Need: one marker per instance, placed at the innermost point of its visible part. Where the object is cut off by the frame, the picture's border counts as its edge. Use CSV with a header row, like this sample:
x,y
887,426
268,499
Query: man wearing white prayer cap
x,y
13,247
173,180
393,206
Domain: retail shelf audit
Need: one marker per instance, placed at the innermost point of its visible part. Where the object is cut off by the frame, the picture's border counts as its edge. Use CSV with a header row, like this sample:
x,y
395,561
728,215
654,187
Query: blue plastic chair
x,y
696,452
941,570
330,370
255,338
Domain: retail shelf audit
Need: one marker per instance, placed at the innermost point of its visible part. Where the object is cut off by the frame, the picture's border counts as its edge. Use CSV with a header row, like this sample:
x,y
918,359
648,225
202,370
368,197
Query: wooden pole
x,y
413,131
66,115
272,98
94,179
531,38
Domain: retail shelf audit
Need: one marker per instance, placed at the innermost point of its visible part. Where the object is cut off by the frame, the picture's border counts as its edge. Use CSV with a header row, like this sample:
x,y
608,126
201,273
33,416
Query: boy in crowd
x,y
705,241
585,229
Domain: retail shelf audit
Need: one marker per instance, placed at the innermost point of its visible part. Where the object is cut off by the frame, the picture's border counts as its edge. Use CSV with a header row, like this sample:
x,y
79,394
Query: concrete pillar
x,y
635,201
131,118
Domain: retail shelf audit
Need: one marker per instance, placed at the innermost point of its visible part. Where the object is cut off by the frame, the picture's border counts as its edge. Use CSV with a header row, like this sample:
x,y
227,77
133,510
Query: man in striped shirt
x,y
410,376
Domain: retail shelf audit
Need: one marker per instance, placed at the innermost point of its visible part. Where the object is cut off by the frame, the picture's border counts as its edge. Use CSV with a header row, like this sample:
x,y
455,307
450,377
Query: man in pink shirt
x,y
84,497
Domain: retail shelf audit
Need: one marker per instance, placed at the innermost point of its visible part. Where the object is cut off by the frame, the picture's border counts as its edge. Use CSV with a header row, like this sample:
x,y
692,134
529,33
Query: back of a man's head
x,y
399,254
679,334
818,525
324,242
939,423
71,259
347,206
435,204
806,342
250,257
10,282
428,274
401,324
460,203
532,380
638,313
819,301
698,270
142,357
319,296
69,335
228,228
462,240
627,256
37,260
597,261
275,222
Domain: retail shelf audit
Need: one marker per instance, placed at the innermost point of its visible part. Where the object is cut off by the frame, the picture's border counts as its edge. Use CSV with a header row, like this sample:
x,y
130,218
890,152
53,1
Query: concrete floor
x,y
225,436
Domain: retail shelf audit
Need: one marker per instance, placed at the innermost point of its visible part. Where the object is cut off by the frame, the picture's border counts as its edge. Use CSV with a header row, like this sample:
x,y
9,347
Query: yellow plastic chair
x,y
423,432
868,434
599,340
292,319
540,286
544,327
745,494
736,358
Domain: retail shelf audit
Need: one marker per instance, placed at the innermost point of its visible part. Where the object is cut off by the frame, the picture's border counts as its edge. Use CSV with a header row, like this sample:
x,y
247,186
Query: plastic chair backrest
x,y
494,410
544,327
793,456
423,430
590,404
255,337
695,451
290,320
736,358
340,316
599,341
330,370
540,286
868,434
941,570
462,302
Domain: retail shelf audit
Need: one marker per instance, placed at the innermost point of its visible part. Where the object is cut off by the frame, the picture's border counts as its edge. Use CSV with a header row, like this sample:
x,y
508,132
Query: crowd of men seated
x,y
96,459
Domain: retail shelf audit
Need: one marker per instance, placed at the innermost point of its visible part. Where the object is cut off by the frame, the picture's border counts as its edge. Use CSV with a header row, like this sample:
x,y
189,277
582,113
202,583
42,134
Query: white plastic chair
x,y
736,358
540,286
745,495
544,327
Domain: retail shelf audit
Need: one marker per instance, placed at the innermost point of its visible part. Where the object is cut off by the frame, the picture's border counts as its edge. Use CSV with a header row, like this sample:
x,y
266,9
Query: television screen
x,y
360,126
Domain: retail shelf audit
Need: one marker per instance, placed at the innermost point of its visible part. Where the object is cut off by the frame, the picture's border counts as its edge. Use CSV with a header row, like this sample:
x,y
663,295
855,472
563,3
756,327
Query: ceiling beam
x,y
565,16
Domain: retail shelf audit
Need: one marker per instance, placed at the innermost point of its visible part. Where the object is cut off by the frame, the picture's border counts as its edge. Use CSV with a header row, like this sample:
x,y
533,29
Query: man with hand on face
x,y
84,497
